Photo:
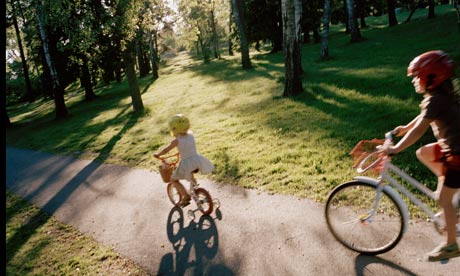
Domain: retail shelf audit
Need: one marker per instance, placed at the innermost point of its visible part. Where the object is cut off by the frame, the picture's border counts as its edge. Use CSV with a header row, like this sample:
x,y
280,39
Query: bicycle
x,y
200,196
370,217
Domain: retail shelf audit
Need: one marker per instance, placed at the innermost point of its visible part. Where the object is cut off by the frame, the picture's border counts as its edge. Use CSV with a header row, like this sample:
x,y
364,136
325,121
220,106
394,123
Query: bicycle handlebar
x,y
164,159
378,151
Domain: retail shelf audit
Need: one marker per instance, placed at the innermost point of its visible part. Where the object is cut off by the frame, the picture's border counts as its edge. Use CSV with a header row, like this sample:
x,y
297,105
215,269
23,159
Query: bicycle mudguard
x,y
391,192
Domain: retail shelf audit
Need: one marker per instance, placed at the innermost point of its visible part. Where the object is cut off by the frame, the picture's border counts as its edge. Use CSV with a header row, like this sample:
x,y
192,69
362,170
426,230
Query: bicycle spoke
x,y
366,231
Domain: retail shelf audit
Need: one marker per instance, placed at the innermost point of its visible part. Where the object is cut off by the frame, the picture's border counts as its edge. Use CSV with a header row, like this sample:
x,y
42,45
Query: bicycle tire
x,y
347,206
204,201
173,194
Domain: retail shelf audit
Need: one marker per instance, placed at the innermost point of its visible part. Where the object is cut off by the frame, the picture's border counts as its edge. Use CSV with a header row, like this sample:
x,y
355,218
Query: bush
x,y
16,91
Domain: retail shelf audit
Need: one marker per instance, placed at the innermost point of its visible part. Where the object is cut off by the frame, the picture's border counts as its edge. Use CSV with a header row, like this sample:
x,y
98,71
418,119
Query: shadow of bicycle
x,y
372,265
194,246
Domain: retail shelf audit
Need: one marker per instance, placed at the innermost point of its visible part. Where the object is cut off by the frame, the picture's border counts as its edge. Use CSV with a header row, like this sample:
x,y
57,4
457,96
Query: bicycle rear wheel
x,y
348,215
204,201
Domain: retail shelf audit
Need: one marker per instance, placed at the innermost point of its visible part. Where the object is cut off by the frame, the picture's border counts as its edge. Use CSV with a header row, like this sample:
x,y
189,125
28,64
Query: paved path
x,y
253,233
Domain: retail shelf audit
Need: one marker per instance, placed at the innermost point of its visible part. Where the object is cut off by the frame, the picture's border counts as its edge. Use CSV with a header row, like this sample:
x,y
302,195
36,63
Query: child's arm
x,y
171,145
419,127
401,130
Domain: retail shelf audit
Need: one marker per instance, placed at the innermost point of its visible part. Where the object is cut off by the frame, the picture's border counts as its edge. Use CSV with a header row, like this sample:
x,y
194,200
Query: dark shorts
x,y
452,179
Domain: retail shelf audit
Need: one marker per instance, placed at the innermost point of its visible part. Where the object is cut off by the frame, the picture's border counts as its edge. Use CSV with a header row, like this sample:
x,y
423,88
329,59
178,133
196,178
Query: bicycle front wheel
x,y
204,201
173,194
353,222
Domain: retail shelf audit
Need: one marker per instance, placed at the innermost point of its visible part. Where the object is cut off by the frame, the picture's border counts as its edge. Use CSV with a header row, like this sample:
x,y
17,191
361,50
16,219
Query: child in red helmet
x,y
432,74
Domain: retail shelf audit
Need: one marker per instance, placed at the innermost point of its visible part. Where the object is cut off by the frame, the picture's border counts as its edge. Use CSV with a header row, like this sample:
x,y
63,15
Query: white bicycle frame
x,y
380,185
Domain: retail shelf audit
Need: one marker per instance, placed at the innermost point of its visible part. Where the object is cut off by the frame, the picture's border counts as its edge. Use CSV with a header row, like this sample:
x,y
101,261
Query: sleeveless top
x,y
190,160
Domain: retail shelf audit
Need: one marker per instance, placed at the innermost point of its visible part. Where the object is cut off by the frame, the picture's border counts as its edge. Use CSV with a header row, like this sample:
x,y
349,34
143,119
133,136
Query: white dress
x,y
190,160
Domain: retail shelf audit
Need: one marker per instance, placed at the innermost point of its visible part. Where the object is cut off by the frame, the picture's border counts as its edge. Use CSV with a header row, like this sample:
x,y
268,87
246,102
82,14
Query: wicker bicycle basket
x,y
363,149
166,171
167,168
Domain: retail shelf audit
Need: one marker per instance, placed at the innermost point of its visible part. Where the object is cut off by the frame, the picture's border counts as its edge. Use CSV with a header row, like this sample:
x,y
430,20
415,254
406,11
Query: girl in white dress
x,y
190,161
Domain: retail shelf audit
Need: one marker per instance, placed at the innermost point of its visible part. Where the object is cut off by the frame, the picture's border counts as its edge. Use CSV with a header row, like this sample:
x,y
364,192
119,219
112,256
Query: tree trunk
x,y
392,20
58,91
238,13
347,20
457,8
291,38
230,31
413,9
129,62
326,21
298,35
352,22
361,13
85,79
25,69
143,71
153,56
316,36
306,34
215,37
203,46
430,9
117,62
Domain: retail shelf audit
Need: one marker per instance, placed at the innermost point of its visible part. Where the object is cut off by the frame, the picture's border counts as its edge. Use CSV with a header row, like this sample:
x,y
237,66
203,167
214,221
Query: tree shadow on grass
x,y
23,234
339,118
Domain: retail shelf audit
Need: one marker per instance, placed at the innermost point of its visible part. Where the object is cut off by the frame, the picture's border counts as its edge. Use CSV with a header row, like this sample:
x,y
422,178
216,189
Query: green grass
x,y
256,138
37,244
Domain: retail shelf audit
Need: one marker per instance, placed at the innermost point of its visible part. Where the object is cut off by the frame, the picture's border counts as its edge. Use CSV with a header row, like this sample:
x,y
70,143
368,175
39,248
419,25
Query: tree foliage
x,y
96,42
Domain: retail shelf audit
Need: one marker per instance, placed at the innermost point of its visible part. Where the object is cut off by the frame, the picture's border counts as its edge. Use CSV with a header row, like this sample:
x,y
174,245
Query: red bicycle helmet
x,y
433,67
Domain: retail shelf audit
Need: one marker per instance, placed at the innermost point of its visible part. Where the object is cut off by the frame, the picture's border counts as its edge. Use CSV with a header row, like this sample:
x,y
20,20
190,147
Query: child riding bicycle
x,y
433,74
190,161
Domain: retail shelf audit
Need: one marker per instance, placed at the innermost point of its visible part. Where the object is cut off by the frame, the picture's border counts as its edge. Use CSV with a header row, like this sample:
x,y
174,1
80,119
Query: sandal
x,y
443,252
185,202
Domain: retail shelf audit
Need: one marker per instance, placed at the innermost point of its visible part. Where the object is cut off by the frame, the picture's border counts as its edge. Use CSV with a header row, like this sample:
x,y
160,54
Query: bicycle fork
x,y
366,218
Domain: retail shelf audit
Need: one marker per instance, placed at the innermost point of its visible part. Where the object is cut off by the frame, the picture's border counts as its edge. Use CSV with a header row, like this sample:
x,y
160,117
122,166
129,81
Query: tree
x,y
81,41
58,91
132,79
430,9
311,19
326,21
125,11
264,23
238,14
292,17
361,9
154,15
215,36
153,55
457,8
392,20
230,31
352,22
25,68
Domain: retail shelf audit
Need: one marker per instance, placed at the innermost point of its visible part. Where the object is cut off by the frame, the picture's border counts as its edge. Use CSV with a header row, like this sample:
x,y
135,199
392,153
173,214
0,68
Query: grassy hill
x,y
256,138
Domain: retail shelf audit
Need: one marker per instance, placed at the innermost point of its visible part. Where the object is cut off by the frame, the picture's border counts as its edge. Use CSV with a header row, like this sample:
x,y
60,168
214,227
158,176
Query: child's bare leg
x,y
430,156
450,216
180,188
